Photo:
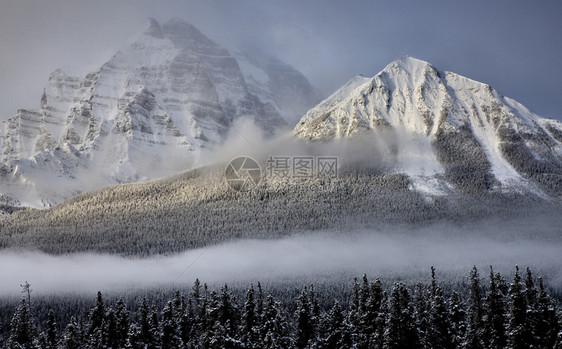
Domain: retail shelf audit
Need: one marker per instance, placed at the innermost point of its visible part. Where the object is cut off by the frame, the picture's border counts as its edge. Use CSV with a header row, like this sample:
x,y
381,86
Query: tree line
x,y
516,314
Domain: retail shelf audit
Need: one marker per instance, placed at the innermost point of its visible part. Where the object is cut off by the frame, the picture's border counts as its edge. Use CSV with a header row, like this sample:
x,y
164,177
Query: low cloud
x,y
453,250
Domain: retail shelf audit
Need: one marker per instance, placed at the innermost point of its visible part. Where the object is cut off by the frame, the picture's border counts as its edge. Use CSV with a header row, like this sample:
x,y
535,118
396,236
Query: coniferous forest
x,y
492,312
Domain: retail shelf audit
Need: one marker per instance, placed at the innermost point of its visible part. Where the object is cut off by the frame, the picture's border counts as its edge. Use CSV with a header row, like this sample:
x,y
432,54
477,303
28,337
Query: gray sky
x,y
515,46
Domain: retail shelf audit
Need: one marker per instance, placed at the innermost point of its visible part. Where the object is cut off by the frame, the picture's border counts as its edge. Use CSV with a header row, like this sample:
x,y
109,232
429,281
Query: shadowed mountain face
x,y
467,134
147,112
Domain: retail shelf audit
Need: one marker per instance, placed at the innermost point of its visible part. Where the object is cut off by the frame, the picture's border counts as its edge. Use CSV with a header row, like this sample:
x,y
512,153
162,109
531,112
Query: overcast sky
x,y
515,46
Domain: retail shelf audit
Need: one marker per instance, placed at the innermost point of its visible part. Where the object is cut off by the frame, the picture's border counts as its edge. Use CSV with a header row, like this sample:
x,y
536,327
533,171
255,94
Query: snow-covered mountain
x,y
145,113
444,130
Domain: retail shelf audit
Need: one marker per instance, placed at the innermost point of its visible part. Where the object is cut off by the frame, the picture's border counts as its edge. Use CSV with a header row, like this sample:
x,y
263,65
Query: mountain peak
x,y
163,99
179,26
154,30
459,126
409,65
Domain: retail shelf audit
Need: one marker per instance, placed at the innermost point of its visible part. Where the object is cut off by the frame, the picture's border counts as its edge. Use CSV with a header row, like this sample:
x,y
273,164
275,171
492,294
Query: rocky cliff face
x,y
146,113
443,129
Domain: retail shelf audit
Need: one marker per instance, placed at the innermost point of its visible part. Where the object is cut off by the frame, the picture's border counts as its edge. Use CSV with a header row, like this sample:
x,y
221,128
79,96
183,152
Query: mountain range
x,y
415,146
148,112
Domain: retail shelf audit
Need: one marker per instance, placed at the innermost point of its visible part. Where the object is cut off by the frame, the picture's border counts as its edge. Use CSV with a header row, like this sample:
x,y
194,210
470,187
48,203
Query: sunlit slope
x,y
197,208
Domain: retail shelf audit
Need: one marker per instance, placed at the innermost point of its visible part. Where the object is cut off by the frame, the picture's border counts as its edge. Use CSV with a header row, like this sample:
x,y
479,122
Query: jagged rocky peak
x,y
147,112
464,130
154,30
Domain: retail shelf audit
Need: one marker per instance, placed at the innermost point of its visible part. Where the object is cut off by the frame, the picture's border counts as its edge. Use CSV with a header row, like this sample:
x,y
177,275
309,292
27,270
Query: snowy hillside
x,y
146,113
442,128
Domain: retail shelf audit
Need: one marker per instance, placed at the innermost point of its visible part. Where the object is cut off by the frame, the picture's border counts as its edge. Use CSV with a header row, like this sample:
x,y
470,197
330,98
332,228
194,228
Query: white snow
x,y
410,96
147,112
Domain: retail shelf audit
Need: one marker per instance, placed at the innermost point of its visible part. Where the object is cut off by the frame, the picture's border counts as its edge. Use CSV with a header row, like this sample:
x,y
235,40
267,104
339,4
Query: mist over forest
x,y
391,252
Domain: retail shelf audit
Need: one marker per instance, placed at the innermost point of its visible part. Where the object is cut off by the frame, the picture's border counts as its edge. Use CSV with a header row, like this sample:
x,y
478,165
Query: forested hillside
x,y
197,208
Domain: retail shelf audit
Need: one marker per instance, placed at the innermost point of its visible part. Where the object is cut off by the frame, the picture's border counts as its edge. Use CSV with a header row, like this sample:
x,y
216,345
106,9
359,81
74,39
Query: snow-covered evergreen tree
x,y
401,331
494,318
274,329
421,308
248,329
71,337
51,331
475,332
22,331
439,335
305,327
170,334
121,323
517,329
457,320
336,330
548,326
96,324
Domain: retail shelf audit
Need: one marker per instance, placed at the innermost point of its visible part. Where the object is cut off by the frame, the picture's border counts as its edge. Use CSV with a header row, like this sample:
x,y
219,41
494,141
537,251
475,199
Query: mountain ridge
x,y
147,112
469,131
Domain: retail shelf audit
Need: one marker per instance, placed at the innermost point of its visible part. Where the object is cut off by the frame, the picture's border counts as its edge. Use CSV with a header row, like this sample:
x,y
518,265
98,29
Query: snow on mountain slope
x,y
146,113
442,125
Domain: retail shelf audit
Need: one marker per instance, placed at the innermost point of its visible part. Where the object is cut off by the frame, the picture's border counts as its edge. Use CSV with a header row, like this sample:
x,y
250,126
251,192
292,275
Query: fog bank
x,y
377,253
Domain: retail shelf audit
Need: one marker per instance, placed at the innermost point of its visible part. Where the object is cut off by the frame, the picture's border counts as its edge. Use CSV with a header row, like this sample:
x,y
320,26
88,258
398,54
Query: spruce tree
x,y
401,331
353,313
71,337
196,294
178,305
531,298
378,340
259,303
315,310
370,331
154,326
170,335
187,323
110,336
211,324
51,331
121,322
97,317
518,331
421,308
305,328
228,312
336,332
547,326
457,320
439,335
364,295
274,328
145,326
134,338
475,331
249,321
22,332
495,314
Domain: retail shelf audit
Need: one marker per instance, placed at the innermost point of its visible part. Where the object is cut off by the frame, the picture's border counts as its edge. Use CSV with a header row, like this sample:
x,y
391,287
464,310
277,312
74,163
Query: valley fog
x,y
385,253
